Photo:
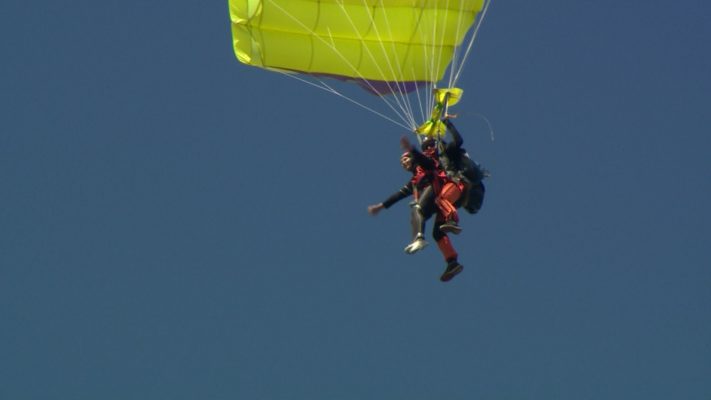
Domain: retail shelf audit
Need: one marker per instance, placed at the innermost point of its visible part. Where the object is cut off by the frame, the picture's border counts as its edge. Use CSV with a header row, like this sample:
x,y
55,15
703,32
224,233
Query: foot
x,y
418,244
453,268
450,227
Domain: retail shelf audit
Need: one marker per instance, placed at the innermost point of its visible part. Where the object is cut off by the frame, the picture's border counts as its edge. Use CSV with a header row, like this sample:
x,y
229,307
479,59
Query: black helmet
x,y
428,143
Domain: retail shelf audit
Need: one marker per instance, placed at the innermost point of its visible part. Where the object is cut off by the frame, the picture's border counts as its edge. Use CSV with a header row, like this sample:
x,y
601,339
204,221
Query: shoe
x,y
453,268
418,244
451,227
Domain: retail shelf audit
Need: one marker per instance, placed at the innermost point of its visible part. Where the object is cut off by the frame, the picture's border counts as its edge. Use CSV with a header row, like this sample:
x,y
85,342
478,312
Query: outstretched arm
x,y
404,192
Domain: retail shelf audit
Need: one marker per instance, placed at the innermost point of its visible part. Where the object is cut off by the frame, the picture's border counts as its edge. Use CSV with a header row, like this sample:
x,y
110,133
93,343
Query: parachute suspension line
x,y
403,107
456,53
453,62
362,41
328,88
433,58
422,112
345,60
431,67
392,108
325,87
424,104
471,39
402,93
425,65
440,45
419,102
440,31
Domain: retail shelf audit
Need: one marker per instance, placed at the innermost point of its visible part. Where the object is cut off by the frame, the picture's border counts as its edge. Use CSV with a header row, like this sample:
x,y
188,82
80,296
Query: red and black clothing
x,y
425,185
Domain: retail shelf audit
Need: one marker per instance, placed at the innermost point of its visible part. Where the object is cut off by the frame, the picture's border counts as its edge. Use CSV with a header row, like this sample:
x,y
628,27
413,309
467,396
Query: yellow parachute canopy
x,y
372,41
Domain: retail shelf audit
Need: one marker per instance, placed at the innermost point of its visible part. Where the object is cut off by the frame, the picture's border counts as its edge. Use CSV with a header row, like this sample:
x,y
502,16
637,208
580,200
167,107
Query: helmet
x,y
428,143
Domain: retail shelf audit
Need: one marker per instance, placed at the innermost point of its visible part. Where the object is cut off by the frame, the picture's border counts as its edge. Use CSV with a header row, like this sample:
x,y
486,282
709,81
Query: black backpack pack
x,y
474,175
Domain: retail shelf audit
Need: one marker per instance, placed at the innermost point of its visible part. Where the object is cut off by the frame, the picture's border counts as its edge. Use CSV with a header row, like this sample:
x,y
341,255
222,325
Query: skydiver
x,y
425,185
448,195
461,169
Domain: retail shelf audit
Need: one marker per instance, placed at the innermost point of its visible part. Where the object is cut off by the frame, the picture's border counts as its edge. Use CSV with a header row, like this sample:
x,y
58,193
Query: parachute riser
x,y
443,98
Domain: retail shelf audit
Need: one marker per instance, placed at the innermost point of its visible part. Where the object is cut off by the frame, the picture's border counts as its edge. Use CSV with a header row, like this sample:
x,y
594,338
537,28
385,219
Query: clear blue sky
x,y
176,225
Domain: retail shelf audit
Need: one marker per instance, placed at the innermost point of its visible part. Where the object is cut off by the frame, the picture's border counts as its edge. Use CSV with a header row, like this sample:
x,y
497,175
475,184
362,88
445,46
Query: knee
x,y
437,233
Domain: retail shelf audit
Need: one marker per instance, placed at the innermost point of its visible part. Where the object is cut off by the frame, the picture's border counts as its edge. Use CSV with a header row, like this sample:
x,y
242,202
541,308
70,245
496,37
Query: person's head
x,y
428,144
429,147
406,161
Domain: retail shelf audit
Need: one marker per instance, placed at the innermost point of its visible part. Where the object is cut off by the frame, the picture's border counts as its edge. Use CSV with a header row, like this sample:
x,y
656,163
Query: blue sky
x,y
176,225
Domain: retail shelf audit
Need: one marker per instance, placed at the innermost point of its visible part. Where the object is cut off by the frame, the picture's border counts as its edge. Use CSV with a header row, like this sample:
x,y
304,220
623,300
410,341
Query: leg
x,y
448,196
444,244
449,253
420,211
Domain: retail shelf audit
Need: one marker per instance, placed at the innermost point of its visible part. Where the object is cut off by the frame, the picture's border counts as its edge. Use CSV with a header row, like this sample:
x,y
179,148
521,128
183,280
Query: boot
x,y
453,268
418,244
451,226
